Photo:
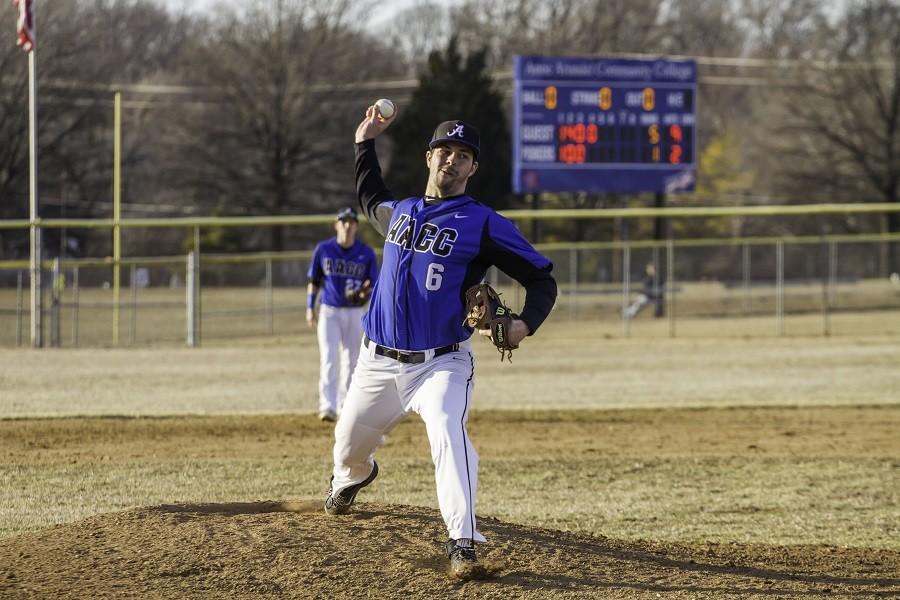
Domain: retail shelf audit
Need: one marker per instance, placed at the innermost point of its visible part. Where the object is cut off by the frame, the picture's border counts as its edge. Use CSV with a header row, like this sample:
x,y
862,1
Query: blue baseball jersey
x,y
337,270
434,250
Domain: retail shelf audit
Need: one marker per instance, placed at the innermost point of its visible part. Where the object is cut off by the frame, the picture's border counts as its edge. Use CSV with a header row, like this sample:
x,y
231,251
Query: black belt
x,y
409,357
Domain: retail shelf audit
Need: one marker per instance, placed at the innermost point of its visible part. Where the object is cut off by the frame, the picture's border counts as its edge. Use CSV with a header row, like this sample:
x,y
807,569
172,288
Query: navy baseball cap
x,y
456,131
346,213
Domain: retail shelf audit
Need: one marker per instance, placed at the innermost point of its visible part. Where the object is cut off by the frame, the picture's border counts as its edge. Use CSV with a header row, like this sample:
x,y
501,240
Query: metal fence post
x,y
270,301
75,306
573,281
19,309
132,282
626,289
192,297
55,292
779,288
826,283
745,275
670,284
832,273
198,283
658,306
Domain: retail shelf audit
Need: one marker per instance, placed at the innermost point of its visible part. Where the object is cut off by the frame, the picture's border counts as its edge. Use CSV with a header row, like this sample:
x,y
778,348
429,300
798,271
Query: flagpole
x,y
117,212
37,339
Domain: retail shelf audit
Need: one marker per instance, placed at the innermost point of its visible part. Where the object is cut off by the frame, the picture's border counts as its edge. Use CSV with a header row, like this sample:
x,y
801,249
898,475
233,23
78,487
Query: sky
x,y
386,9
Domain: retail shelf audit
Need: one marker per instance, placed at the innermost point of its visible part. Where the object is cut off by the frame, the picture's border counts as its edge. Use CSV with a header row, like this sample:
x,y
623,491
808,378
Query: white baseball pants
x,y
339,332
382,393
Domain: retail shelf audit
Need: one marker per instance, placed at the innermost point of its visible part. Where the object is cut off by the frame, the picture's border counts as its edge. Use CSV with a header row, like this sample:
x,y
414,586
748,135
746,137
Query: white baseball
x,y
385,108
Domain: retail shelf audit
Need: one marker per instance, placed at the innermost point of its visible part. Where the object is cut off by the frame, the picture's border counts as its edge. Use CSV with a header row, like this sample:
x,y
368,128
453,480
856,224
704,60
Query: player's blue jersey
x,y
435,249
336,269
432,254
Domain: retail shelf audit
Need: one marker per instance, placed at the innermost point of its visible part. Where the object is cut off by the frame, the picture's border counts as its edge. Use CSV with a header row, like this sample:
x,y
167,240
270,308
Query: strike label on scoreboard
x,y
604,125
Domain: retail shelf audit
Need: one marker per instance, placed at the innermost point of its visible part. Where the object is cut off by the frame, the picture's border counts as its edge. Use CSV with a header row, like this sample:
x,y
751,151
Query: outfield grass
x,y
567,365
818,466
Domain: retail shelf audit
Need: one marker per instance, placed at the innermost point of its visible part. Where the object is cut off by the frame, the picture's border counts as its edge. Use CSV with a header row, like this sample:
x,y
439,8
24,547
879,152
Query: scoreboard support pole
x,y
535,201
660,233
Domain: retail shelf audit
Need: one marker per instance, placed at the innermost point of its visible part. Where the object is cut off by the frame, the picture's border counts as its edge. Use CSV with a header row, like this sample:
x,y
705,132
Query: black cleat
x,y
339,504
463,562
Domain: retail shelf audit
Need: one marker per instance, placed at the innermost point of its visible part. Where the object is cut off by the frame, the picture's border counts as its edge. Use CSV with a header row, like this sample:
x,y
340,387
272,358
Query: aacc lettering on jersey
x,y
430,238
339,266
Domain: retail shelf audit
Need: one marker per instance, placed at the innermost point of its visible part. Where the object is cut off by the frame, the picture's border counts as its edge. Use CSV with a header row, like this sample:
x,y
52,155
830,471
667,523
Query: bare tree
x,y
416,32
839,127
83,48
580,27
781,29
276,134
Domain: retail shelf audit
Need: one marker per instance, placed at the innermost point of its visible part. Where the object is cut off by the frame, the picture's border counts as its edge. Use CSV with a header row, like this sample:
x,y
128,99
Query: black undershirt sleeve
x,y
370,187
540,287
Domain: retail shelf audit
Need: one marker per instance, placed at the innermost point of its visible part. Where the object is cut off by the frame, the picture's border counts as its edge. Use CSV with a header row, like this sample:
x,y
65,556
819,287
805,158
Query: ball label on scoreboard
x,y
604,125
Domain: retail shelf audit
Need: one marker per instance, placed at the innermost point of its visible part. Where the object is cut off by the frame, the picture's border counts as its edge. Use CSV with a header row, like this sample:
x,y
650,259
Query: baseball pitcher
x,y
416,355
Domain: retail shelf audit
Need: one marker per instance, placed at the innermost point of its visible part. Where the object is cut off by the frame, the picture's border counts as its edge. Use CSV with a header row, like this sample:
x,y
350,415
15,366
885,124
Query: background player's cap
x,y
346,213
456,131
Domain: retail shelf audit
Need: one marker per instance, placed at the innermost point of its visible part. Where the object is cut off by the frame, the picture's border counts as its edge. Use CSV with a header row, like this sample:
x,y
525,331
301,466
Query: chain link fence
x,y
754,287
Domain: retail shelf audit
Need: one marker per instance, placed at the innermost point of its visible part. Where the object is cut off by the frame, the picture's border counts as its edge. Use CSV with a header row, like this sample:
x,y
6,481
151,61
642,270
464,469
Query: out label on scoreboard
x,y
604,125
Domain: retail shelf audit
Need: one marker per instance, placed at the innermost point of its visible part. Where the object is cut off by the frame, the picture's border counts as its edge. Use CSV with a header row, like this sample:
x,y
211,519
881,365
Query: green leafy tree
x,y
453,87
723,180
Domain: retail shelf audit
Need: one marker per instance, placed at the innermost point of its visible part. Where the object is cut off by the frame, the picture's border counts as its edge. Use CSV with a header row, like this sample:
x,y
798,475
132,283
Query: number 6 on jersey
x,y
434,278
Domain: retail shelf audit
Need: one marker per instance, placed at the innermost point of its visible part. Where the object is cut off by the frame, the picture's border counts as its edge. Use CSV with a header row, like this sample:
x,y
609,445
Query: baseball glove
x,y
485,310
359,296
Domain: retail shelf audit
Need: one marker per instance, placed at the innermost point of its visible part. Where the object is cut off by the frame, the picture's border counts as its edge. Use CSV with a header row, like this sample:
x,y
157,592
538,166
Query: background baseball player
x,y
416,353
344,269
651,291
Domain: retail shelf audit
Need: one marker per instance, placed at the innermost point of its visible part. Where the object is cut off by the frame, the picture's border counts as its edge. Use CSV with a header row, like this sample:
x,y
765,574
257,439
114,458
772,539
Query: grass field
x,y
565,368
714,464
567,365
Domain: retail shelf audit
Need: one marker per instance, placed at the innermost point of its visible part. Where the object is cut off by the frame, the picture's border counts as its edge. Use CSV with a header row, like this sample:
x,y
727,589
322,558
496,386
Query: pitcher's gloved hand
x,y
485,311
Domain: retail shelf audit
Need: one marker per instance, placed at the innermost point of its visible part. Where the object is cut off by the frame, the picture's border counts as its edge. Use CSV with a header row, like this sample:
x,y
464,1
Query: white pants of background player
x,y
339,332
383,392
637,306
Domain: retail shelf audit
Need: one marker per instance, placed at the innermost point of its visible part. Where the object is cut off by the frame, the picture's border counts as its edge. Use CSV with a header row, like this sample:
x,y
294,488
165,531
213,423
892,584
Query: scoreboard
x,y
604,125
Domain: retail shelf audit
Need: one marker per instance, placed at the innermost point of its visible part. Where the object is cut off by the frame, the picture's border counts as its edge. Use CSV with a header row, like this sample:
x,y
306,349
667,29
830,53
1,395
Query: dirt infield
x,y
274,550
700,504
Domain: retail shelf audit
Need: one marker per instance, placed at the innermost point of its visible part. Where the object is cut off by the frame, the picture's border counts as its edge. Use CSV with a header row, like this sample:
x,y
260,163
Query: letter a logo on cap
x,y
456,131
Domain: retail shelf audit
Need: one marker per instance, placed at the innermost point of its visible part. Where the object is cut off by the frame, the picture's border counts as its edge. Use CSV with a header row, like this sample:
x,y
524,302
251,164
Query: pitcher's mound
x,y
293,550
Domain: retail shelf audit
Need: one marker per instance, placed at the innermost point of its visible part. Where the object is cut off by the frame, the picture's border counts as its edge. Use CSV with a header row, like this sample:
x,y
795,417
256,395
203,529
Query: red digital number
x,y
572,153
675,133
675,155
579,133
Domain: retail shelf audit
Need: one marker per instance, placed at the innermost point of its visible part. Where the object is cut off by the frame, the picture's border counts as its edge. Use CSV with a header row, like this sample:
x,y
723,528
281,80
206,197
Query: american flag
x,y
25,23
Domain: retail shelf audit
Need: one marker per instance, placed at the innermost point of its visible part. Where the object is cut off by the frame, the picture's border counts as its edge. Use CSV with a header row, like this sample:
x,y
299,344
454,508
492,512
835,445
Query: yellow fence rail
x,y
540,215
